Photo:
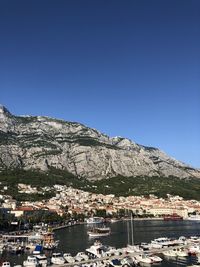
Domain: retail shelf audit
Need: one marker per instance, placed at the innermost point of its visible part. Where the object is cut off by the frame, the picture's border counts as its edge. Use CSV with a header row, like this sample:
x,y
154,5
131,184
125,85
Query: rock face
x,y
42,142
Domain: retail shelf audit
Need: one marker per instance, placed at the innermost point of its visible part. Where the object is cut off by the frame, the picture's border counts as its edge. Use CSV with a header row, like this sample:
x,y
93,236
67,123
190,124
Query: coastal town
x,y
70,201
78,207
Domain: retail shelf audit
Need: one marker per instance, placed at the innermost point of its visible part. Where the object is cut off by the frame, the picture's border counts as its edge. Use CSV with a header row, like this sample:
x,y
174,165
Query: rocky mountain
x,y
38,142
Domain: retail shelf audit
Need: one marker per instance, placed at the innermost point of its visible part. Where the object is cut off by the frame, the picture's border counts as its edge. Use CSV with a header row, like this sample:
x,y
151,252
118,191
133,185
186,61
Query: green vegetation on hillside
x,y
159,186
37,179
120,186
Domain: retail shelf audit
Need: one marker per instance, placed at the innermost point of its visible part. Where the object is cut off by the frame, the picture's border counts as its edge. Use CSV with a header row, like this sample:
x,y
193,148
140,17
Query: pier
x,y
120,257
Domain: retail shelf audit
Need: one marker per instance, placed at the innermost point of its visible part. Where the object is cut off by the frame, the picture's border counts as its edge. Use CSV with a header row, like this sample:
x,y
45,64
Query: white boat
x,y
194,239
145,246
127,261
194,249
169,253
161,242
2,248
78,258
99,231
143,259
5,264
114,220
82,256
94,220
97,250
57,259
111,251
133,248
155,259
68,257
30,262
42,260
194,218
181,252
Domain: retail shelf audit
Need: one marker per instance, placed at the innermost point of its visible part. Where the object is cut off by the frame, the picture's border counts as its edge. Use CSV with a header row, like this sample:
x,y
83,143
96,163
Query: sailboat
x,y
130,246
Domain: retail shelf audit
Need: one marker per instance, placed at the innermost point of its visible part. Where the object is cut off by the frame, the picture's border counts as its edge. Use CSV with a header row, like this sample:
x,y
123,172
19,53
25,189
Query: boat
x,y
133,249
48,241
42,260
143,259
111,251
155,258
16,249
194,239
99,231
95,220
181,252
97,250
37,250
161,242
2,246
172,217
68,257
194,218
169,253
194,249
30,262
81,256
5,264
114,263
57,259
127,261
114,220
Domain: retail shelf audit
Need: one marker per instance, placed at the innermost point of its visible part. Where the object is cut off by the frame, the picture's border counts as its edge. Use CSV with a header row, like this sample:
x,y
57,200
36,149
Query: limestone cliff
x,y
38,142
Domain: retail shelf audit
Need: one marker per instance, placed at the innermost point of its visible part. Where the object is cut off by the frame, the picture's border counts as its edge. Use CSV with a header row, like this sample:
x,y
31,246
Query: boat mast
x,y
128,231
132,240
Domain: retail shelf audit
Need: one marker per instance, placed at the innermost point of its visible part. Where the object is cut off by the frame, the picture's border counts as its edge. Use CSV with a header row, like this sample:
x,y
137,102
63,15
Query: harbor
x,y
73,240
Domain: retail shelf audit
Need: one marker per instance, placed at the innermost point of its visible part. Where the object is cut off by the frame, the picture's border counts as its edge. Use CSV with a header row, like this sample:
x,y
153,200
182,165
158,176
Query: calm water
x,y
74,239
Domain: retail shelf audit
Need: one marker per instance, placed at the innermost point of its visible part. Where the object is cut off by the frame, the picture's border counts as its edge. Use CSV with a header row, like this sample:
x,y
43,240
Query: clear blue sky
x,y
128,67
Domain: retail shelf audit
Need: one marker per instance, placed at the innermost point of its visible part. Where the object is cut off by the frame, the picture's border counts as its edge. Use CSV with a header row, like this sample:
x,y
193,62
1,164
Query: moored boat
x,y
5,264
68,257
95,220
172,217
57,259
42,260
48,241
169,253
97,250
30,262
98,231
194,218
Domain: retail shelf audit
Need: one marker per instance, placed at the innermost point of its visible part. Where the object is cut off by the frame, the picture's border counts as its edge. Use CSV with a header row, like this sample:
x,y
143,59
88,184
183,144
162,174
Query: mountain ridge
x,y
42,142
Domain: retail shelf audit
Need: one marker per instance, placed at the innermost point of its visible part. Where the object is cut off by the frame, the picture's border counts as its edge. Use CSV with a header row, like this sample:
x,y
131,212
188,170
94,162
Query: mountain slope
x,y
40,143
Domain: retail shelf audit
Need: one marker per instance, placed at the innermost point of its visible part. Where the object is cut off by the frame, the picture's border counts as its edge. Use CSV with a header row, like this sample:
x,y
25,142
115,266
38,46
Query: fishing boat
x,y
99,231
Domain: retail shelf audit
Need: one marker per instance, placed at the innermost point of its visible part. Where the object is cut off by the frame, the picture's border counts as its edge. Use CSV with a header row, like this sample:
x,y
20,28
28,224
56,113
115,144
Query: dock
x,y
120,257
